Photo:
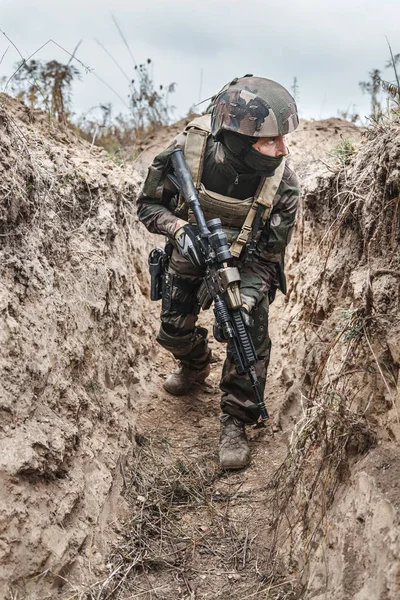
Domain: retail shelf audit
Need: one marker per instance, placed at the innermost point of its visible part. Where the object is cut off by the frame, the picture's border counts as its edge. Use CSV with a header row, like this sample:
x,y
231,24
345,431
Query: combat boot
x,y
182,380
234,451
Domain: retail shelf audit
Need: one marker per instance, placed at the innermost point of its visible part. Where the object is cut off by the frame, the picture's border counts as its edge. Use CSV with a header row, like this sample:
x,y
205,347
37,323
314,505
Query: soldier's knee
x,y
179,295
193,343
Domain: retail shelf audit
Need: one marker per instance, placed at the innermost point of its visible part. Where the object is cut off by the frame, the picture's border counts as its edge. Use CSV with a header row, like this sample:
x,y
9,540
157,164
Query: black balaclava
x,y
244,158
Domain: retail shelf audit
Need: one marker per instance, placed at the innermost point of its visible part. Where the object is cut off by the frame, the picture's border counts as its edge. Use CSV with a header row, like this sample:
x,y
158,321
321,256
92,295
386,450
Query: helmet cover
x,y
255,107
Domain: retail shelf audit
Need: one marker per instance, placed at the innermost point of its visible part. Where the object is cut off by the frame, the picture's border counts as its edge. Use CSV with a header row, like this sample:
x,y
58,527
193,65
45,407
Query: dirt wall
x,y
75,345
340,364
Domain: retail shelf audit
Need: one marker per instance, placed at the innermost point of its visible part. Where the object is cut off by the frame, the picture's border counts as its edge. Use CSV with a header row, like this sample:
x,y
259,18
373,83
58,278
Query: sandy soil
x,y
232,544
110,486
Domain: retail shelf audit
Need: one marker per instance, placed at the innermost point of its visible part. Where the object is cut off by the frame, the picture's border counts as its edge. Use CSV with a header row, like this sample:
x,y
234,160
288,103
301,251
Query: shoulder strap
x,y
265,197
203,123
197,132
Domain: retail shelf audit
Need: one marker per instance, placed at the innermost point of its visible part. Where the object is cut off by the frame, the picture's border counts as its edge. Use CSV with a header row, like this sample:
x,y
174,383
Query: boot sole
x,y
234,467
189,388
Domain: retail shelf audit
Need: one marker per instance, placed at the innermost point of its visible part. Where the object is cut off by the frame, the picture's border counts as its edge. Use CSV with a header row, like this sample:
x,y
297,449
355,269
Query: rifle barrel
x,y
188,190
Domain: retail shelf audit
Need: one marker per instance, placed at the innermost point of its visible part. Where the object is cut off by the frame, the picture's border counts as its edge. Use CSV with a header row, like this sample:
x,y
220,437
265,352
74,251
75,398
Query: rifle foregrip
x,y
244,339
244,345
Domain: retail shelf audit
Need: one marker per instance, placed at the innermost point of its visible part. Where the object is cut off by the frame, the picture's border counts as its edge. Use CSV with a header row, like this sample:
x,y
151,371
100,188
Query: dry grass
x,y
329,434
182,542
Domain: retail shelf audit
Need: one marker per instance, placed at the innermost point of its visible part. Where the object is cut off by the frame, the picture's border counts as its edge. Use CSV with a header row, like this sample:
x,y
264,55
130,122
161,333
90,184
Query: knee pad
x,y
193,343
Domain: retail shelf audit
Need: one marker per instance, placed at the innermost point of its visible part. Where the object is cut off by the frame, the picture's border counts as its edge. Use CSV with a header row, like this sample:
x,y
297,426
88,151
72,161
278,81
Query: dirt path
x,y
200,532
214,536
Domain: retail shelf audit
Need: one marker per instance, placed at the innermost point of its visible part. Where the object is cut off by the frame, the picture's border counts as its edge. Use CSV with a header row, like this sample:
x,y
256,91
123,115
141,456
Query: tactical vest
x,y
236,215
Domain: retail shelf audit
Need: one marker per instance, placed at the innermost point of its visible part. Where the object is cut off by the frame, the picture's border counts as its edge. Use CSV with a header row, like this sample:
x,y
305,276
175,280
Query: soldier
x,y
236,156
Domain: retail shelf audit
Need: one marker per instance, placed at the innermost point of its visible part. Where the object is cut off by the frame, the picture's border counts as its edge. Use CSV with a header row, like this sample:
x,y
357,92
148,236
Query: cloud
x,y
328,46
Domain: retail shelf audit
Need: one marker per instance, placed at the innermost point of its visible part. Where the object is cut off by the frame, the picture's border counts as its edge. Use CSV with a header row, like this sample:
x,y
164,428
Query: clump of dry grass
x,y
155,537
326,437
181,540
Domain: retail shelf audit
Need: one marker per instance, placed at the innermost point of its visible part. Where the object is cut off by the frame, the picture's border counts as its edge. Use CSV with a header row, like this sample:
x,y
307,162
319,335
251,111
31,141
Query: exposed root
x,y
326,438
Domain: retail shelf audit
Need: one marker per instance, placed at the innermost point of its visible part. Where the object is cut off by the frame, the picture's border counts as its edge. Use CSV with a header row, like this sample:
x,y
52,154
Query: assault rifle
x,y
220,283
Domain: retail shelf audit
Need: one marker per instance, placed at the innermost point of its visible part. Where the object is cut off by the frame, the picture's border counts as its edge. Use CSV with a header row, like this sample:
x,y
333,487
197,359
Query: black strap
x,y
255,228
189,305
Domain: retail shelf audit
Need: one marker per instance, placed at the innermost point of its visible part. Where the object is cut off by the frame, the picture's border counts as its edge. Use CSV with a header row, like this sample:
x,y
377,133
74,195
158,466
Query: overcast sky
x,y
328,45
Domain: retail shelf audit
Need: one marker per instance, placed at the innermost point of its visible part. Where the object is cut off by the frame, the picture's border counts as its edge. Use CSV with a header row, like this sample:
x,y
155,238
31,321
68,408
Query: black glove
x,y
188,245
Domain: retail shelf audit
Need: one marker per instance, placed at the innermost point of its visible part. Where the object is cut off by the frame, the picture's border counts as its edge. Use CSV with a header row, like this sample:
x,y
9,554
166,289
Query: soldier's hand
x,y
179,223
187,244
247,318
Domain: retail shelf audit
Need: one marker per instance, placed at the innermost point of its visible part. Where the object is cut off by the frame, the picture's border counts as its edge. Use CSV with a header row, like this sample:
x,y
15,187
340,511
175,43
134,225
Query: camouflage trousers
x,y
189,343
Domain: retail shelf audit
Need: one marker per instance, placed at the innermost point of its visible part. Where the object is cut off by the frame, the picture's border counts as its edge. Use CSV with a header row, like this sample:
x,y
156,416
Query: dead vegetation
x,y
348,311
48,86
183,540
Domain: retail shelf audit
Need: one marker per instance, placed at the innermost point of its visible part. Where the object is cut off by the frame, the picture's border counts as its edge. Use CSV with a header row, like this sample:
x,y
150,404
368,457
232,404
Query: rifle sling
x,y
264,197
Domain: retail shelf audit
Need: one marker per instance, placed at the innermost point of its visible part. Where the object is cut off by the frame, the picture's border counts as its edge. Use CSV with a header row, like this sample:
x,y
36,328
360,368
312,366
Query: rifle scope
x,y
218,240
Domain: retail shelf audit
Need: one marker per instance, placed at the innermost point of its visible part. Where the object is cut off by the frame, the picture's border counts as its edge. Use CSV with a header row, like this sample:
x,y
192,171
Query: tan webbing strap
x,y
203,123
197,132
265,196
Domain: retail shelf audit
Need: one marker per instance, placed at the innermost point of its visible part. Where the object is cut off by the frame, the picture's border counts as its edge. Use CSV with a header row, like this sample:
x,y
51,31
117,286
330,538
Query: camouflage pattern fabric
x,y
189,343
158,210
255,107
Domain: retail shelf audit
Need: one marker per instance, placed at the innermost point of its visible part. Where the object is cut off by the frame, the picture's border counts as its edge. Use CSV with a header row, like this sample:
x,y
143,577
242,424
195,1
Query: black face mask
x,y
262,163
244,158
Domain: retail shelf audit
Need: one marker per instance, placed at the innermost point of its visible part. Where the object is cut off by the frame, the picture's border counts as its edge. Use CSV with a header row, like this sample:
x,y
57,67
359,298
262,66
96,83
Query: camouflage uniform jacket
x,y
158,211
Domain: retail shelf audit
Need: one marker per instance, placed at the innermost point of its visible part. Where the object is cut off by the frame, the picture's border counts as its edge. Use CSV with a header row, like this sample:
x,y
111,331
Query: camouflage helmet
x,y
253,106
